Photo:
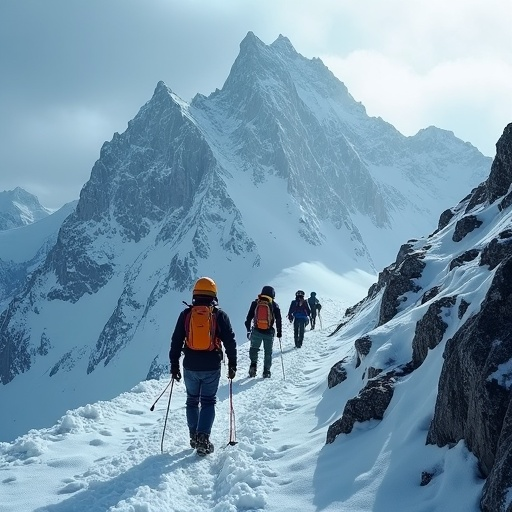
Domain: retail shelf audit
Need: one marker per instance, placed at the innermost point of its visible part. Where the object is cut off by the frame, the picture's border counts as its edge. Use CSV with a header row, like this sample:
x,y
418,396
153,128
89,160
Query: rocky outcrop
x,y
445,219
363,346
464,258
398,279
430,329
475,387
371,403
15,351
337,374
499,481
498,249
500,178
465,226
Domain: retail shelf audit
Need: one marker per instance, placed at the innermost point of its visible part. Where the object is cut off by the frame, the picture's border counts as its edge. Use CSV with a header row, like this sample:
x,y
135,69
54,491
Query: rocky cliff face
x,y
457,284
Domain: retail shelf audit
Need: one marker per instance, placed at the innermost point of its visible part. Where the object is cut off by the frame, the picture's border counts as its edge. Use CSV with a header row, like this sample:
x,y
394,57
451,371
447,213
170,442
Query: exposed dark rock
x,y
475,388
64,361
337,374
373,372
497,250
500,178
426,477
430,329
464,258
465,226
44,346
363,346
157,370
338,327
15,355
398,280
117,331
463,306
430,294
371,403
445,219
77,274
477,196
506,202
12,276
497,486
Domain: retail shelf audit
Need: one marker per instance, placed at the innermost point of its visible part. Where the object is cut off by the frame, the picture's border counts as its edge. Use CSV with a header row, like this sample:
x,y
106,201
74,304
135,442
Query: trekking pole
x,y
232,428
166,414
152,408
282,363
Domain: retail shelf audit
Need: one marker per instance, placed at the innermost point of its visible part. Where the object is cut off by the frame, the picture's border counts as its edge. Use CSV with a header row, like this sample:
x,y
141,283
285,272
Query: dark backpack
x,y
263,315
200,327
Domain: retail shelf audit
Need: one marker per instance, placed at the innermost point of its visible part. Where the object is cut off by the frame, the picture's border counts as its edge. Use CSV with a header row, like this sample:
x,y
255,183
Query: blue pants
x,y
201,398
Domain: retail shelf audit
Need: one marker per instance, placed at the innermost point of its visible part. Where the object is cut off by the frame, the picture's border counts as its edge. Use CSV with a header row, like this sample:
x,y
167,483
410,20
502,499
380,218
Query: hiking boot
x,y
203,444
252,370
266,374
193,440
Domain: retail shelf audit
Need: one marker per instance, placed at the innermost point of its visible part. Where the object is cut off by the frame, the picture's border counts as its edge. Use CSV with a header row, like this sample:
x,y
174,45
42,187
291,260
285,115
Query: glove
x,y
279,335
231,372
175,373
248,335
290,317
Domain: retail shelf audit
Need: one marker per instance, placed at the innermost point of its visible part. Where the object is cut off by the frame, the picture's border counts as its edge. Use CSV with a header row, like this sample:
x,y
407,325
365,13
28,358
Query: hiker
x,y
201,345
262,314
314,306
299,313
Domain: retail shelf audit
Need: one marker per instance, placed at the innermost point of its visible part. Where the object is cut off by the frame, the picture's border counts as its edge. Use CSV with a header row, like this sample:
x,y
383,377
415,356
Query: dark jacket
x,y
299,310
203,359
276,315
313,302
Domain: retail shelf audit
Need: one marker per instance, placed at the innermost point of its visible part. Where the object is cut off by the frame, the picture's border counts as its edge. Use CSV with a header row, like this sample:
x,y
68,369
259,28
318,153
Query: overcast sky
x,y
74,72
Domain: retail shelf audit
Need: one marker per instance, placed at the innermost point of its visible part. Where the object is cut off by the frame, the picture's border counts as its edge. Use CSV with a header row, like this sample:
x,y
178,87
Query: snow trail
x,y
106,455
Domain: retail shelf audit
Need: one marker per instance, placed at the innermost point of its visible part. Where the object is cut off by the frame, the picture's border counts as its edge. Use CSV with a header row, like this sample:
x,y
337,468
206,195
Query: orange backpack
x,y
263,317
200,327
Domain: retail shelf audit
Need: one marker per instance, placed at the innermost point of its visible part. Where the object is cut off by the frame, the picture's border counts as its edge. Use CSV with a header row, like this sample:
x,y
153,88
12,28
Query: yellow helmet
x,y
205,286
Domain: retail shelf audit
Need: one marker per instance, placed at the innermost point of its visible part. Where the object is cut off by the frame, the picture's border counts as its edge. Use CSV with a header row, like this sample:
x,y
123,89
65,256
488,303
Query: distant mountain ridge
x,y
279,167
25,248
19,208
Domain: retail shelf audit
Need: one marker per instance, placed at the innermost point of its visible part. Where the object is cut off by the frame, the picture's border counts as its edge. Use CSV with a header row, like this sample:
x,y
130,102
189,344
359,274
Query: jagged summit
x,y
250,40
19,208
283,44
162,88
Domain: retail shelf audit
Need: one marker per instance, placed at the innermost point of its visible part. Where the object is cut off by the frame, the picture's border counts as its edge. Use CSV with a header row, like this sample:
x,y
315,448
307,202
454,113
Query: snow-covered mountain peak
x,y
19,208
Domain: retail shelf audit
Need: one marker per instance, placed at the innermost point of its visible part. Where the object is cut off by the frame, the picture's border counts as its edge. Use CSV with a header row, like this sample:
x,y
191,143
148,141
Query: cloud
x,y
467,96
61,142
